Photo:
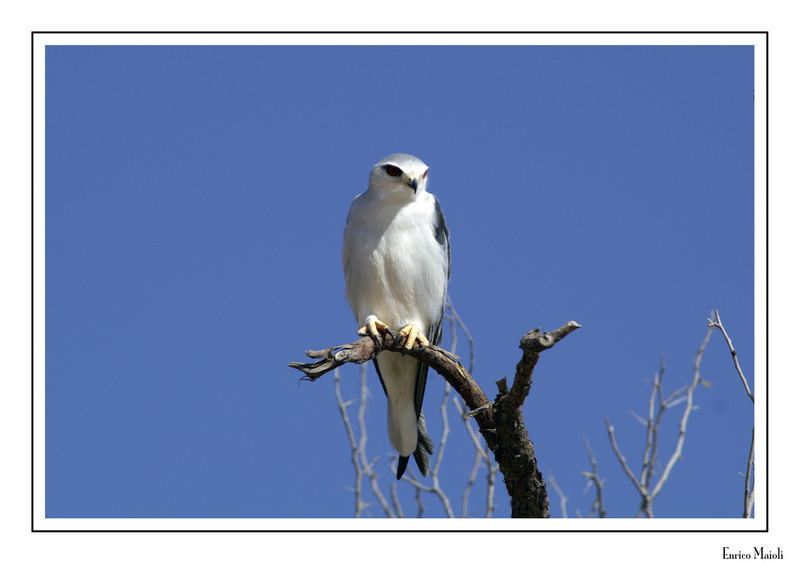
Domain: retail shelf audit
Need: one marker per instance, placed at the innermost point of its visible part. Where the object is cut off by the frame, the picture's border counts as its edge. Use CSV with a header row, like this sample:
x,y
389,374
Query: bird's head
x,y
399,174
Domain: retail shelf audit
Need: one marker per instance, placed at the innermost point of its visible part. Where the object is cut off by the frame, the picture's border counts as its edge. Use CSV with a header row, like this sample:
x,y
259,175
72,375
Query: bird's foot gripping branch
x,y
499,421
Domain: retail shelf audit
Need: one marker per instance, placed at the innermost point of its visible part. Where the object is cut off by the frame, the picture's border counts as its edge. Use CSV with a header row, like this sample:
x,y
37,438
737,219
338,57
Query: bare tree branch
x,y
562,498
395,499
652,429
365,468
362,447
455,318
684,420
749,485
473,476
435,489
509,438
501,425
639,487
359,449
533,343
409,478
717,322
638,418
491,478
360,505
420,505
642,484
594,478
663,405
366,349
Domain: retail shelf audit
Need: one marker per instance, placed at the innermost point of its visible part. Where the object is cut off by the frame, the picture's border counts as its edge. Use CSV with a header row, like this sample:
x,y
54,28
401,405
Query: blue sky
x,y
195,202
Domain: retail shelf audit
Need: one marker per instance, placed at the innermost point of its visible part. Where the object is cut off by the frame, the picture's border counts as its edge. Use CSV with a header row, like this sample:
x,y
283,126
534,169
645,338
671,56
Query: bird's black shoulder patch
x,y
440,231
439,226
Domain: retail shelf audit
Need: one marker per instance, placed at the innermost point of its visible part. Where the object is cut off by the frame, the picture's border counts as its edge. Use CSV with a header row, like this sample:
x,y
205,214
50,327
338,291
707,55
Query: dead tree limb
x,y
642,484
500,421
749,486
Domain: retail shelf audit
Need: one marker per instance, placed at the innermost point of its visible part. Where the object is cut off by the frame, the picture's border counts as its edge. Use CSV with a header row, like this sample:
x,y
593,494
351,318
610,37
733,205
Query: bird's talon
x,y
373,328
411,338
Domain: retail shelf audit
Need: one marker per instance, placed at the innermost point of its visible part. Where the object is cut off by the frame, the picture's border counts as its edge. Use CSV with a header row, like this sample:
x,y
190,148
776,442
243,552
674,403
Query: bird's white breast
x,y
394,267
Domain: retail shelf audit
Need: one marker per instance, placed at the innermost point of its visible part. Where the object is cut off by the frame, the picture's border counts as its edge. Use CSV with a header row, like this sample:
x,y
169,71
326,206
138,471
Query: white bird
x,y
396,257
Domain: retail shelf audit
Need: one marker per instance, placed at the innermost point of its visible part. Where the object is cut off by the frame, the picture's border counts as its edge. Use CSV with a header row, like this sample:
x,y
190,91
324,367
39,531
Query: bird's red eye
x,y
424,174
392,170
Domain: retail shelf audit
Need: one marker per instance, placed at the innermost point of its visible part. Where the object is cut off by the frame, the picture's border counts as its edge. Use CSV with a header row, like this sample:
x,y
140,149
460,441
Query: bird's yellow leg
x,y
413,335
373,328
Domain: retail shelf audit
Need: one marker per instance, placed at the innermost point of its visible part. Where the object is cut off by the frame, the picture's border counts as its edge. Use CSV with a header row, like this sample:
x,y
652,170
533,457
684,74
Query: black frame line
x,y
295,32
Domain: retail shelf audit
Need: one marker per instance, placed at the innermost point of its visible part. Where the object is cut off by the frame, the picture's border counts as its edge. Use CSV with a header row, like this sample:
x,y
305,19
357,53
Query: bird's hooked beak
x,y
413,184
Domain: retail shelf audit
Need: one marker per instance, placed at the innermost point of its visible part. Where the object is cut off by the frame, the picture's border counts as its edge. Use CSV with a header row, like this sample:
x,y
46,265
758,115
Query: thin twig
x,y
491,481
481,454
473,476
410,478
420,505
649,452
430,489
562,498
642,485
639,487
437,489
684,420
749,485
360,505
463,326
362,447
717,322
395,500
638,418
481,450
664,404
594,478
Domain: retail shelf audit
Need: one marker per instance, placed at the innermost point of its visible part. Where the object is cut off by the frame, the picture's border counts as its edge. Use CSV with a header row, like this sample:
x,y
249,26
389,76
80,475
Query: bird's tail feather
x,y
424,448
401,466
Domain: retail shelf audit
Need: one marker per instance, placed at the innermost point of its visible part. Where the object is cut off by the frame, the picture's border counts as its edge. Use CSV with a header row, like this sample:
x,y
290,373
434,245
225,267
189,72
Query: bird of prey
x,y
396,257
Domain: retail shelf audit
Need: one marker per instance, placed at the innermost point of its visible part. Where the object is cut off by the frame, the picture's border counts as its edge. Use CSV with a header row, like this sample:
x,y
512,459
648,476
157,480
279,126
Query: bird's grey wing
x,y
434,335
442,234
424,442
347,251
